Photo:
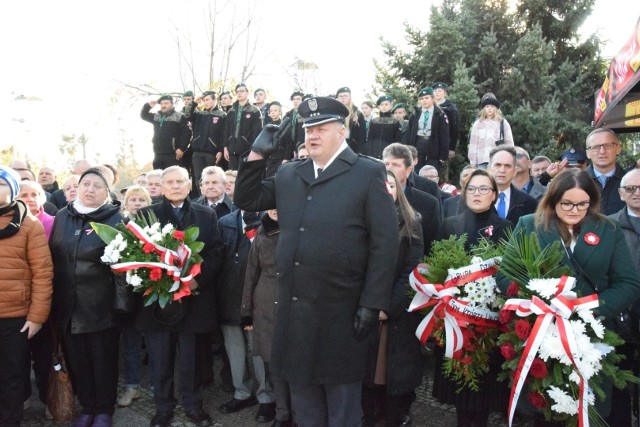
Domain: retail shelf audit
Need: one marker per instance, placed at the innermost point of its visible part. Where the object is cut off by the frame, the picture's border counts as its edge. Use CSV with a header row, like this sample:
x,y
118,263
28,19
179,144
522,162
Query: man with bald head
x,y
80,166
47,178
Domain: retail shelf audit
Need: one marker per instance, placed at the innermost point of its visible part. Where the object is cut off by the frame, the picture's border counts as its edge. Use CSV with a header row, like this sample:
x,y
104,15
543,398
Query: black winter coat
x,y
438,145
404,350
453,116
297,132
231,283
610,201
357,131
208,129
383,130
170,131
238,141
336,251
200,309
83,286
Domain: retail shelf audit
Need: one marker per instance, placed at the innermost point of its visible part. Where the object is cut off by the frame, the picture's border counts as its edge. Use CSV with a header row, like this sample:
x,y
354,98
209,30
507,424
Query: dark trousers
x,y
199,161
234,162
164,160
41,348
93,361
281,392
423,161
332,405
162,347
14,368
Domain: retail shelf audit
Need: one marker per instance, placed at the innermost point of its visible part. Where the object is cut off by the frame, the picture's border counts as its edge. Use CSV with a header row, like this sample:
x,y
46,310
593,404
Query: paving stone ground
x,y
426,411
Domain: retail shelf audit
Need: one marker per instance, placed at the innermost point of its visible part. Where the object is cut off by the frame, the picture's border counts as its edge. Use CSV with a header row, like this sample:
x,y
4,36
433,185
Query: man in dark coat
x,y
603,148
512,203
336,258
429,132
212,189
398,159
296,131
243,124
170,132
180,323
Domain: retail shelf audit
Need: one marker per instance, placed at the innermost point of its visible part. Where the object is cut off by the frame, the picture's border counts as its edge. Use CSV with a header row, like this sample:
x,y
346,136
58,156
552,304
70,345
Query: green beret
x,y
258,90
440,85
275,103
166,98
425,91
239,85
383,98
188,93
398,105
296,93
210,93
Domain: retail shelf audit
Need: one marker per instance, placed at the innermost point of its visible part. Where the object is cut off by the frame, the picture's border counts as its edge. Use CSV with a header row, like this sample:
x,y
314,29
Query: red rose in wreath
x,y
538,368
178,235
536,399
148,248
512,290
155,274
508,351
591,239
522,328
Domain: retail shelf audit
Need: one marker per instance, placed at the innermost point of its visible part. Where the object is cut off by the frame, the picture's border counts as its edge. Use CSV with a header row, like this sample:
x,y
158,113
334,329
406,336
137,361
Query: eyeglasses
x,y
630,189
607,146
568,206
483,189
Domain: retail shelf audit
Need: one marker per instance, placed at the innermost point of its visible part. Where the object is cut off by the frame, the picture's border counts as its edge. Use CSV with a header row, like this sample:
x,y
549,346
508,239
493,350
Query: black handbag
x,y
501,140
627,324
125,300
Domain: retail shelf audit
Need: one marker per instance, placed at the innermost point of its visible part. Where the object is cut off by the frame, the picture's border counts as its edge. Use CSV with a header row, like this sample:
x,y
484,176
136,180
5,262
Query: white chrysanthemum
x,y
564,403
146,229
115,255
122,246
604,349
597,327
546,288
154,228
551,346
167,229
476,260
155,237
574,377
118,239
135,280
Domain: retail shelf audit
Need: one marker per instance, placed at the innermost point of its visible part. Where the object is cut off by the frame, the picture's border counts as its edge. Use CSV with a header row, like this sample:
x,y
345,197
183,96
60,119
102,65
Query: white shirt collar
x,y
343,147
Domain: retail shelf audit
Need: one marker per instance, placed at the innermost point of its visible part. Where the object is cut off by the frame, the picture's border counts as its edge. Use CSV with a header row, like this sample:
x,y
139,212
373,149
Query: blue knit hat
x,y
12,178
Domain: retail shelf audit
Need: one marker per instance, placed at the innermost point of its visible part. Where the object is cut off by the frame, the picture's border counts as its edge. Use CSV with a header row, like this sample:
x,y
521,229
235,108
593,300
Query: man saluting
x,y
336,255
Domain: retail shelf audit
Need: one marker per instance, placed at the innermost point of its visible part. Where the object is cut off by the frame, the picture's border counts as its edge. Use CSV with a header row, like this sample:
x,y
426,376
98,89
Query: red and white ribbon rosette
x,y
172,261
560,308
457,313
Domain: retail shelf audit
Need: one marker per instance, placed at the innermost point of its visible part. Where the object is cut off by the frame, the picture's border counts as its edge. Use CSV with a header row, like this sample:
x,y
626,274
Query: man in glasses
x,y
603,149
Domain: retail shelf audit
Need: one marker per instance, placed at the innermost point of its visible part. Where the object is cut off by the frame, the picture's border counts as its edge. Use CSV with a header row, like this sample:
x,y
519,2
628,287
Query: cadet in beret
x,y
335,258
260,97
399,111
284,152
440,92
296,132
242,127
187,97
429,132
383,130
356,129
170,132
226,100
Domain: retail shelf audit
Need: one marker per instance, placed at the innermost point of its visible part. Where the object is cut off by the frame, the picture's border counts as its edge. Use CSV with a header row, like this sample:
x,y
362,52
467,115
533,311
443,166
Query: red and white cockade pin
x,y
489,231
591,239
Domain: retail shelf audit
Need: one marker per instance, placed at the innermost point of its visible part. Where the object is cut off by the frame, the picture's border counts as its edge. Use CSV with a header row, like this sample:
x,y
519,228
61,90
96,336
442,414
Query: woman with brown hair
x,y
395,358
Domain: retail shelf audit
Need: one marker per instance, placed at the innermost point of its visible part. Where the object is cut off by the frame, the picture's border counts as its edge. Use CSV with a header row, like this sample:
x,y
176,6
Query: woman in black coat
x,y
83,297
395,358
479,221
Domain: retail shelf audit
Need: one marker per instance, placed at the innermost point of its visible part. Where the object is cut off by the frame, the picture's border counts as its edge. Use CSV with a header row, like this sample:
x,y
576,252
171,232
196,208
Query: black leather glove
x,y
365,321
268,140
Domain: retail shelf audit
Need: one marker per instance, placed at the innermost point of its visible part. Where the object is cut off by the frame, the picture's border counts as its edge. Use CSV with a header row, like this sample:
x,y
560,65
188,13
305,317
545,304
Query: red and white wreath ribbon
x,y
457,313
172,261
559,309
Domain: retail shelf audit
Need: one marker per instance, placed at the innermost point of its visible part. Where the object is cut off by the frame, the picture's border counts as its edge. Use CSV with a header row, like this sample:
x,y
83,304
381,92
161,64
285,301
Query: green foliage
x,y
532,58
446,254
104,231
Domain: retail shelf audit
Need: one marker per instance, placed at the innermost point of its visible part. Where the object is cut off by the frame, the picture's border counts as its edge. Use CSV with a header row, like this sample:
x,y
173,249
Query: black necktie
x,y
319,171
178,212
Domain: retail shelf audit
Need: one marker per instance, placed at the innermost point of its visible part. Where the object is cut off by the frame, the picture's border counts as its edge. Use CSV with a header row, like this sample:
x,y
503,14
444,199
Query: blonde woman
x,y
489,130
355,127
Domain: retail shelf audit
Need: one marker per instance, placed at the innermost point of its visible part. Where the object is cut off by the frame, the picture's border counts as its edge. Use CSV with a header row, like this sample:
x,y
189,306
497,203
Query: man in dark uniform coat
x,y
440,93
338,242
242,126
180,323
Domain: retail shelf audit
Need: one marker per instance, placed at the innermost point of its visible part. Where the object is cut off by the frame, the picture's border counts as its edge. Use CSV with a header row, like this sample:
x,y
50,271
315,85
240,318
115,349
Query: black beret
x,y
440,85
383,98
166,98
425,91
225,92
275,103
210,93
318,110
258,90
490,100
239,85
343,89
296,93
188,93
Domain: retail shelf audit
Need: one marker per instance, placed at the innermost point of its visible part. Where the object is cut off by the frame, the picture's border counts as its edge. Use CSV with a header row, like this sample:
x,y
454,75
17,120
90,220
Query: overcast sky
x,y
74,54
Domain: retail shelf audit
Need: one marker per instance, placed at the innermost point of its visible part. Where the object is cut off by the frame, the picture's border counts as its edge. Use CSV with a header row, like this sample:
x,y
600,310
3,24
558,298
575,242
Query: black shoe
x,y
266,412
235,405
199,417
161,419
278,423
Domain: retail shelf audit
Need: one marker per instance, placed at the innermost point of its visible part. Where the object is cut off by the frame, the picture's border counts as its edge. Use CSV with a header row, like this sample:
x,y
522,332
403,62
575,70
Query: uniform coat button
x,y
294,298
301,228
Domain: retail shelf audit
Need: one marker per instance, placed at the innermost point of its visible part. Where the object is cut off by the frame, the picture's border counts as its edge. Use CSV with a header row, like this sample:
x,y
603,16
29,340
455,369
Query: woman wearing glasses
x,y
596,252
479,221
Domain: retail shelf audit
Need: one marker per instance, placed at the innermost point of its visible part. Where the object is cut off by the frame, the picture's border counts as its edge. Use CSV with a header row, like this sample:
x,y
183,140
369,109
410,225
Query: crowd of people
x,y
311,222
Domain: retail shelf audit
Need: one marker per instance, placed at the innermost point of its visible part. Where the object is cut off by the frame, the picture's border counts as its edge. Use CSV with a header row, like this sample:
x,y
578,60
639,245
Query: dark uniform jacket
x,y
170,131
200,309
239,140
453,116
429,209
208,129
337,250
83,286
383,130
296,132
610,201
520,204
357,130
438,145
225,207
